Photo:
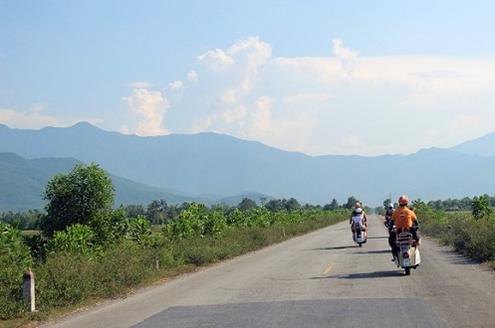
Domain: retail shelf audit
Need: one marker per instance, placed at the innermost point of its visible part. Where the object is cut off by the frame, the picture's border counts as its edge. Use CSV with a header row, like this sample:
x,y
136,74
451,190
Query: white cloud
x,y
343,53
216,59
140,85
192,76
125,129
346,103
176,85
150,107
201,125
261,117
36,118
229,96
27,120
257,51
305,98
235,115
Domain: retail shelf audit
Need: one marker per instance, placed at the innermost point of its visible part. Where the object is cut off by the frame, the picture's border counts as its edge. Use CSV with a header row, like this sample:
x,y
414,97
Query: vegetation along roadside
x,y
88,251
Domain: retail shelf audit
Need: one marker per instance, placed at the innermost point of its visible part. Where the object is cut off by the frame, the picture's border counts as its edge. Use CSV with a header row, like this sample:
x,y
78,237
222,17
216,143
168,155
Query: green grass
x,y
474,238
65,281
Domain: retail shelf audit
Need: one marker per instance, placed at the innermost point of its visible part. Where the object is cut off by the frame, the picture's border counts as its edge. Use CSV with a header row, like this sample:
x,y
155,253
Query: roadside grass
x,y
65,282
473,238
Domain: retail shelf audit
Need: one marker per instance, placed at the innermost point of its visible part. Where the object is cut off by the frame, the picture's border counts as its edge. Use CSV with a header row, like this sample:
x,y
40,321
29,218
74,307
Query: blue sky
x,y
318,76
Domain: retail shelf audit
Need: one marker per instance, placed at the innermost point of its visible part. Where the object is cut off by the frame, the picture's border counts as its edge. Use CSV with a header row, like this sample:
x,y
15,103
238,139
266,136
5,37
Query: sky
x,y
319,77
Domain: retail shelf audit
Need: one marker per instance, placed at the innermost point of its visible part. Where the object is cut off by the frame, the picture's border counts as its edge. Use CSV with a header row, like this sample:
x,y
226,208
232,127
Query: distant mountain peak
x,y
84,125
482,146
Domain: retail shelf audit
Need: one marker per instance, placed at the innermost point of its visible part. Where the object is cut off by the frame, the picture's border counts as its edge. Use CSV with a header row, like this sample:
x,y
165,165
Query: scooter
x,y
359,234
408,256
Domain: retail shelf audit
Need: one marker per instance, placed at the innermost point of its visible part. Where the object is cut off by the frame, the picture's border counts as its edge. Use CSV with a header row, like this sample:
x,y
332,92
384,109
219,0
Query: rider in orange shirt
x,y
405,218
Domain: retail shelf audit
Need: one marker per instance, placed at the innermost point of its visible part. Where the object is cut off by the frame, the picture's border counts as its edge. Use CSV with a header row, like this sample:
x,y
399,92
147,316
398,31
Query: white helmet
x,y
359,210
390,205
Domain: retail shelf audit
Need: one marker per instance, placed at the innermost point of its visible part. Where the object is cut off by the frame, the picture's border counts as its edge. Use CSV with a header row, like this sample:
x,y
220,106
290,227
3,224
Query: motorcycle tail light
x,y
405,255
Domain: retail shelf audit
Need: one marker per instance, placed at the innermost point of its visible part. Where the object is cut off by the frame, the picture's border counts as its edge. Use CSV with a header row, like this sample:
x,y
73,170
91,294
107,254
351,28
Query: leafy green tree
x,y
351,201
247,204
274,205
157,211
387,202
332,206
481,207
134,210
85,195
419,205
292,205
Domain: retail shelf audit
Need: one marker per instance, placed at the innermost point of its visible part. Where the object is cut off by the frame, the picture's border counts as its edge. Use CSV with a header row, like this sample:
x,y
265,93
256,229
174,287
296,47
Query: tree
x,y
481,207
247,204
292,205
351,201
387,202
332,206
134,210
274,205
85,195
157,211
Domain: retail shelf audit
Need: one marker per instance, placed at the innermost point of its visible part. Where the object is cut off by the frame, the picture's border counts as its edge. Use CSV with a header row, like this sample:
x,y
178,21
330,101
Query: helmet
x,y
390,205
358,210
357,205
403,200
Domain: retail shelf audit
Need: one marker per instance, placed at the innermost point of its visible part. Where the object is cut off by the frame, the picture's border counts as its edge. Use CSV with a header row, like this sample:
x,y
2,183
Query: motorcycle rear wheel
x,y
407,271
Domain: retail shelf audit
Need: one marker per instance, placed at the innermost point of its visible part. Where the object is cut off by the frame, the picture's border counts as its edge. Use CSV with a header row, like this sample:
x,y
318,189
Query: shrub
x,y
473,237
15,259
75,239
64,279
136,229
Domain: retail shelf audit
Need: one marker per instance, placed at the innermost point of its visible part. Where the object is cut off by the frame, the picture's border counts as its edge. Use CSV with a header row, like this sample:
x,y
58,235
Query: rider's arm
x,y
415,223
413,216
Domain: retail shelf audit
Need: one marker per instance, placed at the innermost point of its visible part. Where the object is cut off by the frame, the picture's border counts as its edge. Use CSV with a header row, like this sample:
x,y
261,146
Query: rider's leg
x,y
392,241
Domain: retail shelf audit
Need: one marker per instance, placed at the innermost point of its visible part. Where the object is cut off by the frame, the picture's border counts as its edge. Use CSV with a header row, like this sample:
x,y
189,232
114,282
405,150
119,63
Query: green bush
x,y
136,229
15,259
75,239
64,279
468,235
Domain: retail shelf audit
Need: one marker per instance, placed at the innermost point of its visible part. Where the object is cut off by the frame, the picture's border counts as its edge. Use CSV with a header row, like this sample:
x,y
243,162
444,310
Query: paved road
x,y
317,280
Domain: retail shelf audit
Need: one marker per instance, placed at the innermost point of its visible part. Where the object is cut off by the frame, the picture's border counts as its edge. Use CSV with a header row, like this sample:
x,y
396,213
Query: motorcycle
x,y
408,256
359,234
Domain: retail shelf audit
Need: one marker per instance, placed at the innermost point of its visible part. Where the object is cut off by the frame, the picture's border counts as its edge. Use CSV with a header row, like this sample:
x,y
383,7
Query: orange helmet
x,y
357,205
403,200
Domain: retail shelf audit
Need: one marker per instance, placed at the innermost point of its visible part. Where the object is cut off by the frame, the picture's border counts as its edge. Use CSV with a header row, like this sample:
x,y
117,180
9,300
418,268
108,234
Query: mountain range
x,y
217,166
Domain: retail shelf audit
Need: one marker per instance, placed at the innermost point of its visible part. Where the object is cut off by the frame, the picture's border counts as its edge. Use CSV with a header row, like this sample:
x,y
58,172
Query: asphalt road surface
x,y
318,280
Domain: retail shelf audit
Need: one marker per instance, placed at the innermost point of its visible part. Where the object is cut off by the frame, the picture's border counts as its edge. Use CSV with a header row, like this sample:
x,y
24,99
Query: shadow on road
x,y
367,275
381,251
332,248
364,275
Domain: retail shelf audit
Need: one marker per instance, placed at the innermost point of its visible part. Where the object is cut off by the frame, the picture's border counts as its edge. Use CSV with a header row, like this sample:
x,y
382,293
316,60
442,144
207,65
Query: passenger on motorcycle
x,y
359,212
403,218
388,213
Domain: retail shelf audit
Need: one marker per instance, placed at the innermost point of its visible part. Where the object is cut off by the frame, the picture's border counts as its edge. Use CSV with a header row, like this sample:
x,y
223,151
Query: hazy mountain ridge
x,y
23,181
214,164
483,146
